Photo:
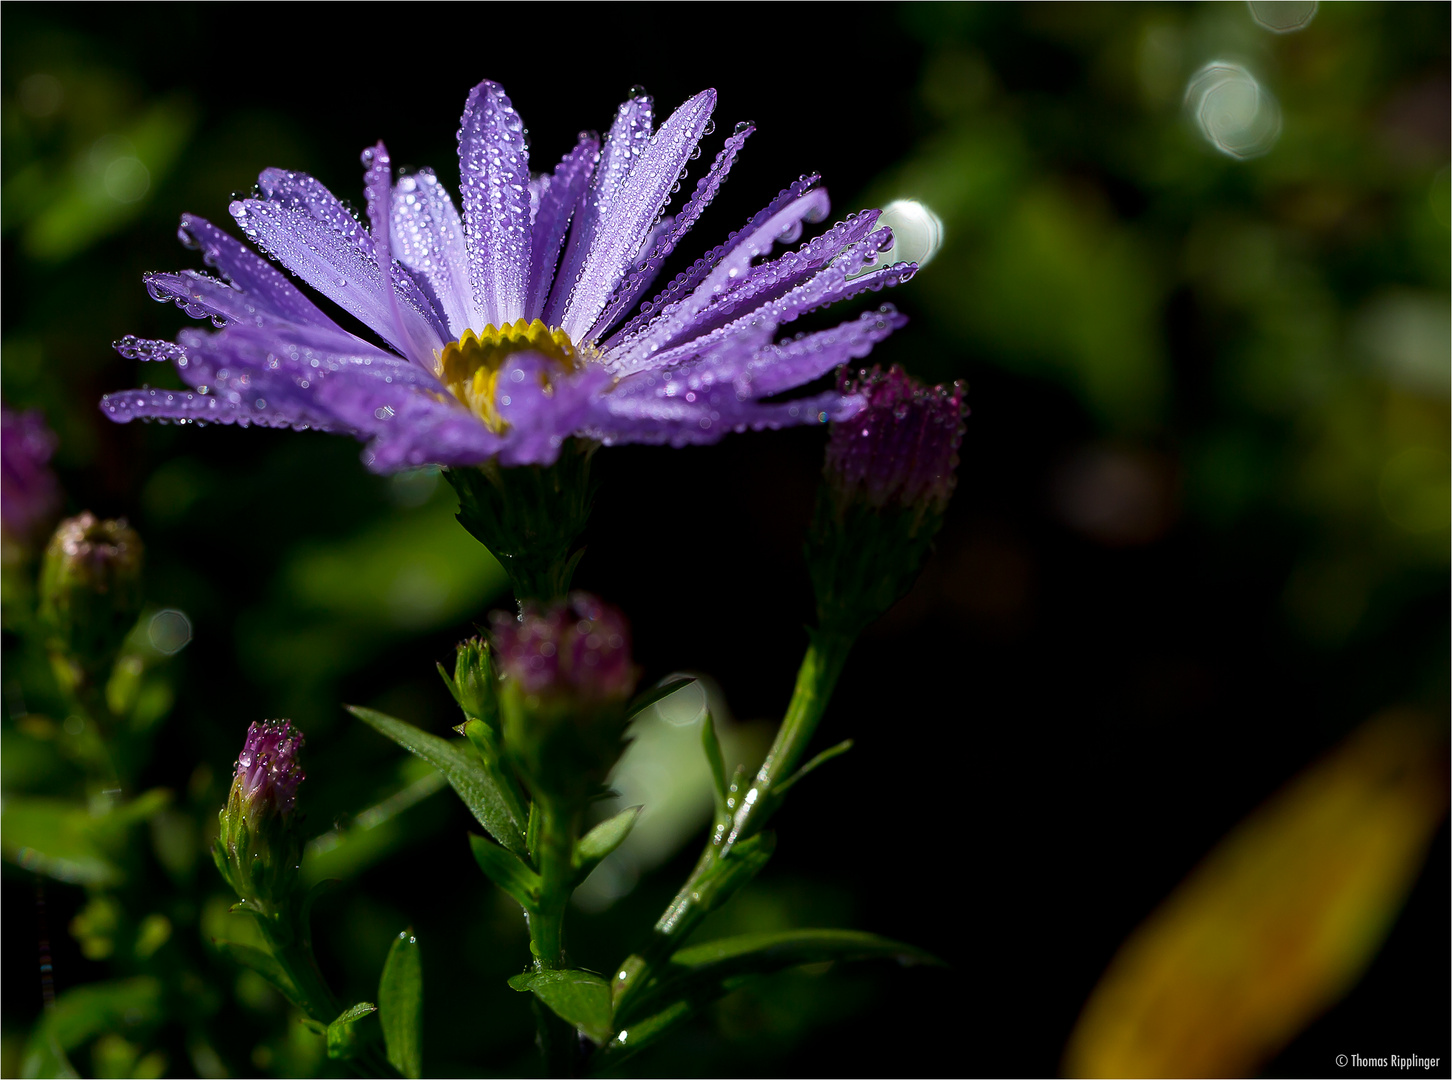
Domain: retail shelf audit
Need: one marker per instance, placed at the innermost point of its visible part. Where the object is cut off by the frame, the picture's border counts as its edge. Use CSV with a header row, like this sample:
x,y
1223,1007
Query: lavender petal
x,y
708,419
302,225
423,337
633,214
629,135
559,199
494,170
685,283
185,406
251,273
428,238
676,321
663,243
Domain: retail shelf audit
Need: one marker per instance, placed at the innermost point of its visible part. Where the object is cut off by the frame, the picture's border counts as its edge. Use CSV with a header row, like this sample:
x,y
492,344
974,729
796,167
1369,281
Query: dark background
x,y
1188,551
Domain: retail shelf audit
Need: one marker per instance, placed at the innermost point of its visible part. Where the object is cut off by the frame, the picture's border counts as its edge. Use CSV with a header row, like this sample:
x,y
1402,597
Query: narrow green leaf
x,y
400,1006
649,697
712,746
635,1037
465,773
482,737
341,1034
506,870
581,998
821,759
755,953
449,682
261,962
603,839
699,974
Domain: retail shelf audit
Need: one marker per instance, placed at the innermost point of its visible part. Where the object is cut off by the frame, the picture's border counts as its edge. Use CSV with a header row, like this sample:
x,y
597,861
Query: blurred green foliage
x,y
1250,353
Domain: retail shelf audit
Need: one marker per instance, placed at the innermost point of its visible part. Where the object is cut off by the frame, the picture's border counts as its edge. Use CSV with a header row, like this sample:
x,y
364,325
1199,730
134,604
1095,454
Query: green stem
x,y
557,831
712,882
296,959
816,679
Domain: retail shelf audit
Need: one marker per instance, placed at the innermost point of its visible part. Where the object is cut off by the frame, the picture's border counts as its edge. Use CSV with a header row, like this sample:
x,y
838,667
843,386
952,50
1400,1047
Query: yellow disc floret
x,y
470,367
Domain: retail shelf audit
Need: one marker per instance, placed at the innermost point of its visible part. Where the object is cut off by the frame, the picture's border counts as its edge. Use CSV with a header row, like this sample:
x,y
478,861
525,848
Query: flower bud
x,y
565,679
90,591
473,684
901,450
889,474
258,849
29,493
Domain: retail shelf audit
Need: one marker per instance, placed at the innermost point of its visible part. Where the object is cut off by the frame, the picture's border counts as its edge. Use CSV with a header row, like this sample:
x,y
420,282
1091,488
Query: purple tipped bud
x,y
267,772
566,678
577,648
257,848
29,493
902,449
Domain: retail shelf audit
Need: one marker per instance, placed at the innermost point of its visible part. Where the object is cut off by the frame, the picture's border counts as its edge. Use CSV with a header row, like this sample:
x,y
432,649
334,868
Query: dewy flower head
x,y
902,448
28,490
267,773
507,328
579,649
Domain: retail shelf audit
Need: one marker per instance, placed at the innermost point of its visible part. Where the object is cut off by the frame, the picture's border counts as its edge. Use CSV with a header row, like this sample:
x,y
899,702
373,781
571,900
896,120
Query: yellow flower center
x,y
470,367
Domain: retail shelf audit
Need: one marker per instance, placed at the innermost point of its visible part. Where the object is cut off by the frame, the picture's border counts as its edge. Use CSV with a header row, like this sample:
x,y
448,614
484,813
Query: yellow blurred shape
x,y
1278,921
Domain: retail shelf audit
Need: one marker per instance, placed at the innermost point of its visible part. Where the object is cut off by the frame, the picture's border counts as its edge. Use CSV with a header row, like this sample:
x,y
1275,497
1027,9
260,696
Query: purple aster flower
x,y
902,448
267,773
579,648
29,493
517,323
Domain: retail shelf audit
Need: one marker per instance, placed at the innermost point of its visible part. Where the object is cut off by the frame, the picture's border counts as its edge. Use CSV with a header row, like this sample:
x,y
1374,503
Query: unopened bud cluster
x,y
578,649
565,678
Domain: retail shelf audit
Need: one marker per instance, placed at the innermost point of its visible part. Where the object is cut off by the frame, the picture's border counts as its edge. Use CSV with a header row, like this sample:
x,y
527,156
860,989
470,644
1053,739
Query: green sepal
x,y
507,871
863,559
646,698
465,773
581,998
602,840
481,739
342,1038
821,759
530,517
400,1005
262,962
